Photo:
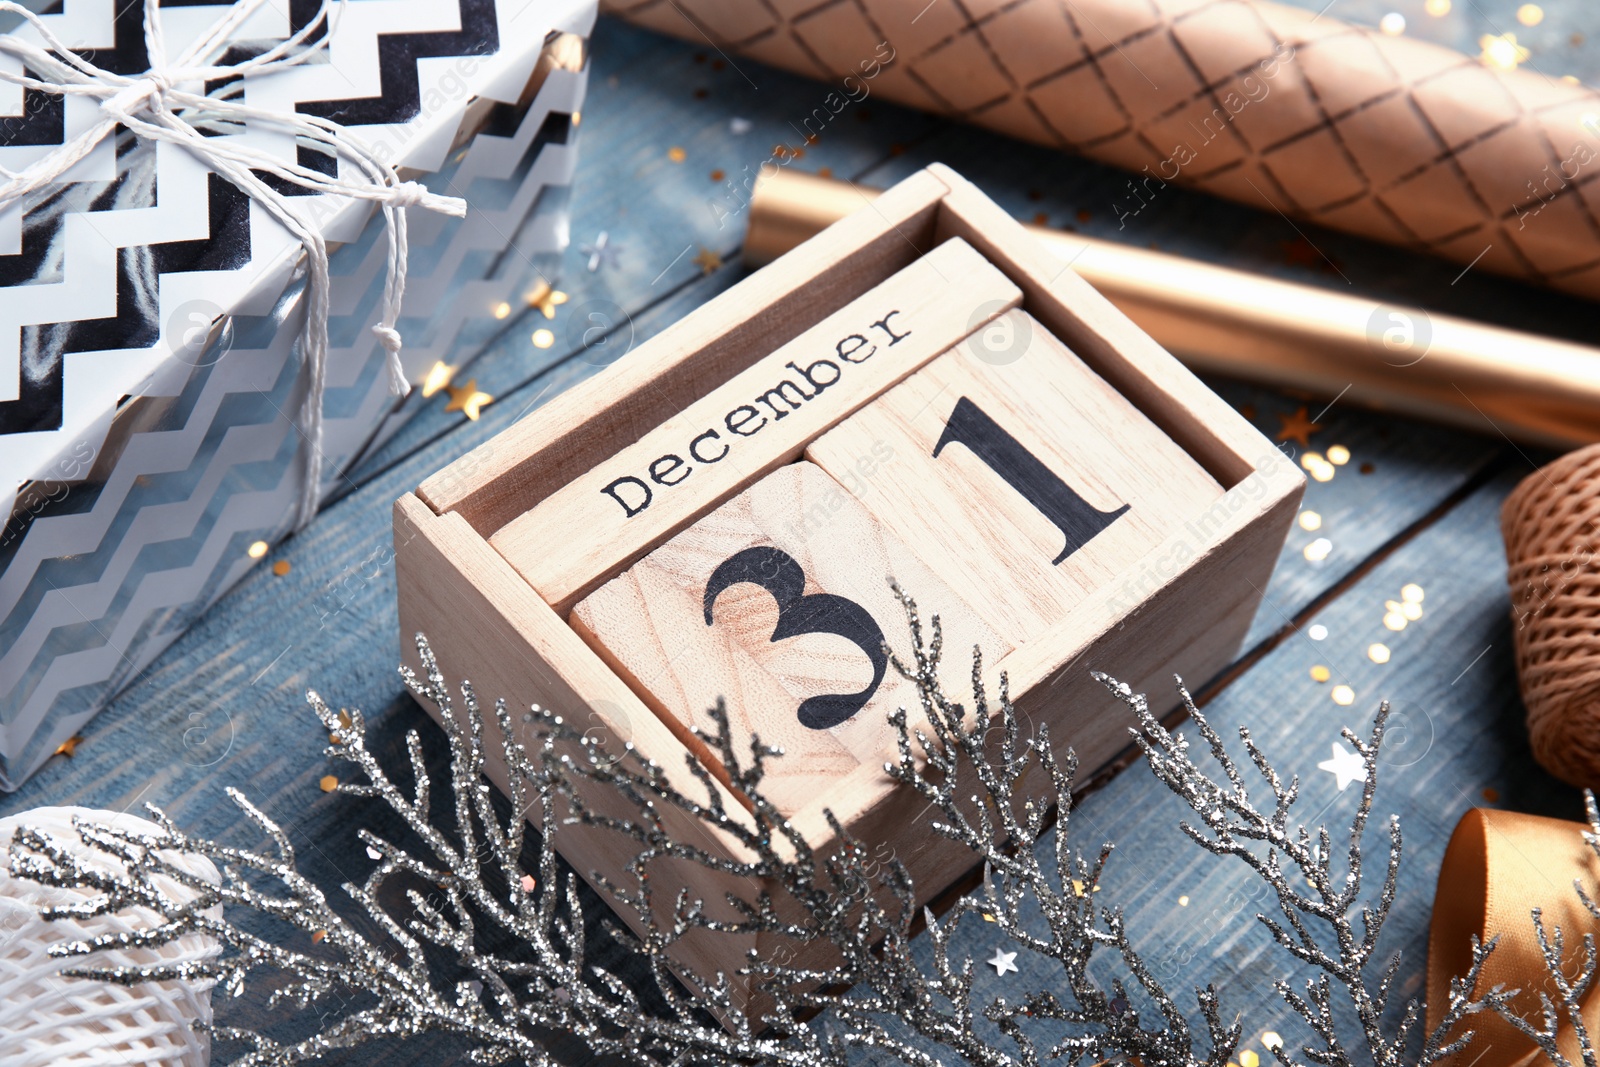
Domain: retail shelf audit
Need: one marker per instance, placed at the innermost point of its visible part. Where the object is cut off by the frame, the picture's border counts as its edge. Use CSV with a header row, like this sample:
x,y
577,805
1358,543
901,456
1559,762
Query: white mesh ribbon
x,y
157,106
49,1020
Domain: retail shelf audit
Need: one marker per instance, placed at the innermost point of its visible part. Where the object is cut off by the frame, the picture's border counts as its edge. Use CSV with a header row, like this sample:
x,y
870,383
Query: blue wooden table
x,y
666,125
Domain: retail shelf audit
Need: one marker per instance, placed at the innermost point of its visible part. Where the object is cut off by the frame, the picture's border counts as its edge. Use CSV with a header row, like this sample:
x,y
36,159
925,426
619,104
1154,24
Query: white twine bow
x,y
153,105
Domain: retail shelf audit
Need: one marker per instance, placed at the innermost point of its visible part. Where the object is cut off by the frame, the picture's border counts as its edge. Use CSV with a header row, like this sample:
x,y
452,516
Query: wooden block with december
x,y
584,532
1025,479
779,603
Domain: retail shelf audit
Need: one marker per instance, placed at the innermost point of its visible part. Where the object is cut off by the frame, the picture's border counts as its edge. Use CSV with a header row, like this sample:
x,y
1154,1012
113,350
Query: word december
x,y
747,420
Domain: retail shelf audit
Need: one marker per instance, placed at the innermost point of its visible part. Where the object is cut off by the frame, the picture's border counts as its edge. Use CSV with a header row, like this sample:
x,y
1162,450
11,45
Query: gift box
x,y
154,366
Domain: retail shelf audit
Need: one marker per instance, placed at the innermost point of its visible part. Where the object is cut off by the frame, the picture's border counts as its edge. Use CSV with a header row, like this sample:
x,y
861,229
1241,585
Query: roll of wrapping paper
x,y
1402,359
1273,106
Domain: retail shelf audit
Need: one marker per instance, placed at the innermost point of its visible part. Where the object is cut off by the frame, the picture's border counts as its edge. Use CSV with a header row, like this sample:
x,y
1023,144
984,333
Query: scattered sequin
x,y
1310,520
1271,1040
318,937
1491,794
439,376
281,568
1378,652
502,310
373,854
1319,673
717,175
1317,632
1501,52
1530,14
329,783
1248,1058
1394,620
543,338
1343,695
1183,901
677,154
1318,550
1393,25
257,549
1437,8
1318,467
1412,593
69,747
1338,455
528,883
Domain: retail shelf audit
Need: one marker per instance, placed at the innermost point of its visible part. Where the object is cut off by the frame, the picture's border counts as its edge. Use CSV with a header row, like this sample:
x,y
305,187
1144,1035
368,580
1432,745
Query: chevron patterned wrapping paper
x,y
149,317
1277,107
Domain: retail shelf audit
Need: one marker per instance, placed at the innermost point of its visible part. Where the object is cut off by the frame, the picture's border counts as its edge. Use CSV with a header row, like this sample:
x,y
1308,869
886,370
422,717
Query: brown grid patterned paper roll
x,y
1390,138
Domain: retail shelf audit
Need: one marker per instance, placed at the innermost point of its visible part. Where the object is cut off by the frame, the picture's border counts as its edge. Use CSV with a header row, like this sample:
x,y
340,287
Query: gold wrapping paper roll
x,y
1276,107
1535,389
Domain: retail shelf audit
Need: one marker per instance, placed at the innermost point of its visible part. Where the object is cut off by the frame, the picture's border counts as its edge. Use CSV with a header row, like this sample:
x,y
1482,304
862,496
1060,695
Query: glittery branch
x,y
502,959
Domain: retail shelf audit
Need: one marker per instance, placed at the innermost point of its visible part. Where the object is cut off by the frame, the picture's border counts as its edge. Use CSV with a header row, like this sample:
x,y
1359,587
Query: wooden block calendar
x,y
919,393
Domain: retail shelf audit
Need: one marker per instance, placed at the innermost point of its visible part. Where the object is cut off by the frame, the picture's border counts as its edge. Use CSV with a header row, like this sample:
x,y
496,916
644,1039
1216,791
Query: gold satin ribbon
x,y
1499,866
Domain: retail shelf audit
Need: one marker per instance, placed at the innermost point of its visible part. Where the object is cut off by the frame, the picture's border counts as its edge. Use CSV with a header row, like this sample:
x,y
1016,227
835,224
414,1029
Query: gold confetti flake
x,y
1310,520
528,883
543,338
677,154
281,568
329,783
988,918
1491,794
257,549
1570,79
1248,1058
707,260
1501,52
1318,550
1338,455
1297,427
318,937
468,399
1271,1040
1343,695
1394,621
1437,8
1530,14
439,376
1412,593
1319,673
502,310
1318,467
1317,631
1378,652
1183,901
1392,25
69,747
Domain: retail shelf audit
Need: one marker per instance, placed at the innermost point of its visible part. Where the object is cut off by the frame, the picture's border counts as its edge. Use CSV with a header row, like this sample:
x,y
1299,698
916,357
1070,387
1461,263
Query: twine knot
x,y
409,194
146,92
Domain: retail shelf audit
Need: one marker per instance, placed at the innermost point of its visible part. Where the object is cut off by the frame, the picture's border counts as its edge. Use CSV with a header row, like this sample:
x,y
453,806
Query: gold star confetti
x,y
677,154
329,783
1318,550
1310,520
281,568
1501,52
1343,695
1378,652
543,338
1319,673
1437,8
1338,455
1530,14
1297,427
257,549
707,260
439,376
69,747
545,299
468,400
1391,25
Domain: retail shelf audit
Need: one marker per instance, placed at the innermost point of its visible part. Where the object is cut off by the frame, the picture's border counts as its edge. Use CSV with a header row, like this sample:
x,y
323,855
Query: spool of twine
x,y
1551,523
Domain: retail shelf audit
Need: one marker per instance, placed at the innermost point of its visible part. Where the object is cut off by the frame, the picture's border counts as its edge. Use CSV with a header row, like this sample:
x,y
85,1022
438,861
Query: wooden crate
x,y
1020,456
